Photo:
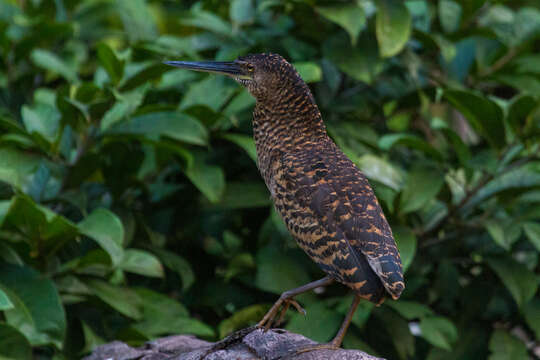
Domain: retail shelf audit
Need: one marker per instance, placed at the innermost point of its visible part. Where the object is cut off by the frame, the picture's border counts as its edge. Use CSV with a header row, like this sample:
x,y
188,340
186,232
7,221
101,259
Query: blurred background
x,y
131,206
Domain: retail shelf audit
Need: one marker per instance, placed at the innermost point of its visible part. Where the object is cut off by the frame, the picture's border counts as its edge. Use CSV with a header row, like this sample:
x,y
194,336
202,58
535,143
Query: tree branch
x,y
250,343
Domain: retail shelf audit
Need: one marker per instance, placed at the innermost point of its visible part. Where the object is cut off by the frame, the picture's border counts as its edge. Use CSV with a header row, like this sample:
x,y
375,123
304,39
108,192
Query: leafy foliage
x,y
131,206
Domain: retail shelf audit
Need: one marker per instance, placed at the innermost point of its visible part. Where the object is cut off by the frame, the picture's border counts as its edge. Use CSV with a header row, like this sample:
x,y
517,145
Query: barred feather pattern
x,y
324,199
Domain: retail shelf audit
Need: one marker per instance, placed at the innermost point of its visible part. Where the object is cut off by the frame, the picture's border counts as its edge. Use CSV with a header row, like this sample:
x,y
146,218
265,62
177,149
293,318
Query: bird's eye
x,y
250,68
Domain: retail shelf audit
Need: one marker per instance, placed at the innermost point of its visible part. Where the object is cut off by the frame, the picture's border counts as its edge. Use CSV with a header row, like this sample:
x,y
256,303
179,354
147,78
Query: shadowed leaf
x,y
505,346
37,312
13,344
50,61
439,331
393,26
519,280
483,114
351,17
106,229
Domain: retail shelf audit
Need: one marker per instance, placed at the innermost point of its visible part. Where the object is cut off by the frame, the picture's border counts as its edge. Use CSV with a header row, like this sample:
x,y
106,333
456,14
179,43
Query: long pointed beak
x,y
228,68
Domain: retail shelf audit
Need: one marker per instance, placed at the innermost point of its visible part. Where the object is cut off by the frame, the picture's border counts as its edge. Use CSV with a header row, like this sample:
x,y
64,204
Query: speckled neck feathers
x,y
288,118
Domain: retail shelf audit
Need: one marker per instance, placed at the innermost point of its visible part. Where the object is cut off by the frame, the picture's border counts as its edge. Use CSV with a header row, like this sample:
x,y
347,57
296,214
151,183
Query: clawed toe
x,y
269,319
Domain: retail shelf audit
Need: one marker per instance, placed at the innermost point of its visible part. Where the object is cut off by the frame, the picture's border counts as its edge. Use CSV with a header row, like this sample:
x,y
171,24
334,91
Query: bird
x,y
324,199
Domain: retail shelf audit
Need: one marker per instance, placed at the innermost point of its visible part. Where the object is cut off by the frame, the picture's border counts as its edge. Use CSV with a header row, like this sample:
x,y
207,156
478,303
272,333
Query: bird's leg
x,y
286,299
338,339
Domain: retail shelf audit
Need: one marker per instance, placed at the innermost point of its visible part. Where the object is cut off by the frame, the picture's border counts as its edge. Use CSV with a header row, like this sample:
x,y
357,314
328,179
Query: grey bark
x,y
247,344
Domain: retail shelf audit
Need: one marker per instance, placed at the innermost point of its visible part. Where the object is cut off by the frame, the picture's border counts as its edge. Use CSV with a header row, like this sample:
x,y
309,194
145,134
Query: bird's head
x,y
261,74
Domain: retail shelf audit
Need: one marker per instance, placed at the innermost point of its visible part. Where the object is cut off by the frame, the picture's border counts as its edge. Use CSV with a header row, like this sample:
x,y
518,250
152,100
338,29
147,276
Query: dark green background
x,y
131,205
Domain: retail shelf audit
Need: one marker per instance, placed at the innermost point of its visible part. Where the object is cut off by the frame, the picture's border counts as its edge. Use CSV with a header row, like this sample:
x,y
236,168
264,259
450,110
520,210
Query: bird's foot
x,y
284,303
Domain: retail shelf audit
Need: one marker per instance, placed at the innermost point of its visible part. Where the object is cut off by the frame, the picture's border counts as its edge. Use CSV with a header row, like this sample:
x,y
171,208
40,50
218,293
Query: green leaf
x,y
462,151
245,142
9,10
393,26
309,71
156,125
527,63
504,346
17,167
422,185
242,263
512,27
484,115
38,312
410,310
245,195
9,255
123,300
519,111
531,313
107,230
496,230
163,315
109,61
242,11
319,324
155,304
5,304
13,344
524,83
125,106
213,92
439,331
241,318
353,341
406,242
376,168
177,264
91,339
141,262
351,17
42,228
239,103
137,18
206,20
524,177
209,179
519,280
38,186
398,328
449,15
461,65
50,61
360,63
398,122
148,73
43,120
4,208
277,273
386,142
176,325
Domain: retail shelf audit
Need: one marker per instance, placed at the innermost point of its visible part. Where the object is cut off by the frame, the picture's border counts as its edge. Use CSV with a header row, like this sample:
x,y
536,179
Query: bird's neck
x,y
287,119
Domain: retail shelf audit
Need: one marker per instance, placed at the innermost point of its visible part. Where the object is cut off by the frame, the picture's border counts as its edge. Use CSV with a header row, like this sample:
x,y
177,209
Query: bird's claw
x,y
299,308
268,320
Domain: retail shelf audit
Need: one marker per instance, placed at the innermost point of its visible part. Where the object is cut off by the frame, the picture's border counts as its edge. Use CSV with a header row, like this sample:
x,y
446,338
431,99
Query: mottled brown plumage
x,y
324,199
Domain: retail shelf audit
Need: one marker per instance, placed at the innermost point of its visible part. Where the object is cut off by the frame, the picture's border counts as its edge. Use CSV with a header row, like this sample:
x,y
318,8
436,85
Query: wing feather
x,y
332,212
